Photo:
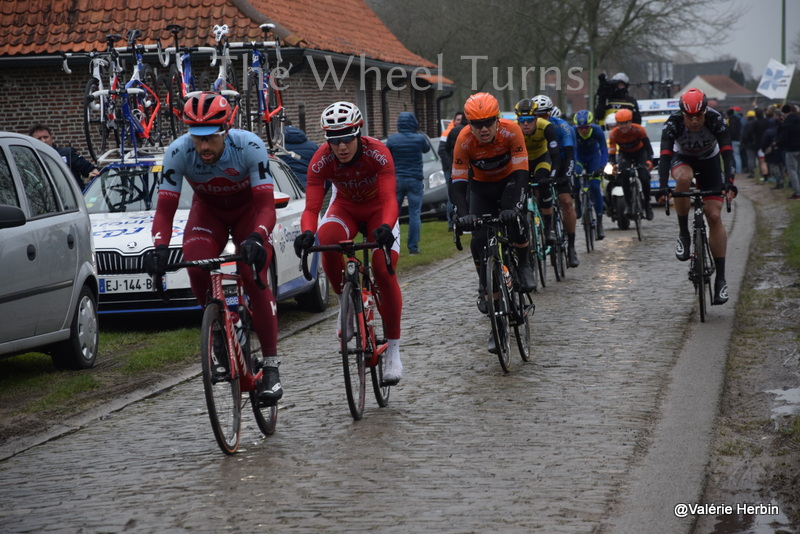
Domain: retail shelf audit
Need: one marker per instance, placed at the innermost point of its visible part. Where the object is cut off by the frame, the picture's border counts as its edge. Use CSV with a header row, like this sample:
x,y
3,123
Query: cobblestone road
x,y
461,447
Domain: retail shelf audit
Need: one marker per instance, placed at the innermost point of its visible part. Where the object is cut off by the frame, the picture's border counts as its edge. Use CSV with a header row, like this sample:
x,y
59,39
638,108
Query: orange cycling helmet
x,y
694,101
624,115
481,106
206,113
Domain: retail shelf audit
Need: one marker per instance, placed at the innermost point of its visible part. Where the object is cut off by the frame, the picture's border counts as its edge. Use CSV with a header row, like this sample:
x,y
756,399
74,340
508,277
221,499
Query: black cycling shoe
x,y
720,292
491,345
272,390
648,212
600,233
682,247
527,280
572,256
482,301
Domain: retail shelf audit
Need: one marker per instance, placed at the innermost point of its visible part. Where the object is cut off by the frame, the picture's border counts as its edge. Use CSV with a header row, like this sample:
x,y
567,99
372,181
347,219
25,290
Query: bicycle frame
x,y
139,125
186,82
221,85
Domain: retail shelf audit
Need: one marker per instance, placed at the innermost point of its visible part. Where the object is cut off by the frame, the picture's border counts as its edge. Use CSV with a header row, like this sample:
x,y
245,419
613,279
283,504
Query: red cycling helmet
x,y
206,113
694,101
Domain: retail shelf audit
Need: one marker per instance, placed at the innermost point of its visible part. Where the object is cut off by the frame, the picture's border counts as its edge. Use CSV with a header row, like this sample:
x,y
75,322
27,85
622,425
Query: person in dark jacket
x,y
735,123
82,169
774,155
789,141
449,146
407,147
295,140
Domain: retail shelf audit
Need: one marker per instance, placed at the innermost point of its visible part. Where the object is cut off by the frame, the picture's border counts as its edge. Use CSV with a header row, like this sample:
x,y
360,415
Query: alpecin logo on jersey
x,y
221,186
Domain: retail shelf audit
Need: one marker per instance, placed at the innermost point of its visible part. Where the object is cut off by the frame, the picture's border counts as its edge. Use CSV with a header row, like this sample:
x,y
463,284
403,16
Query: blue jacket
x,y
295,140
591,148
407,147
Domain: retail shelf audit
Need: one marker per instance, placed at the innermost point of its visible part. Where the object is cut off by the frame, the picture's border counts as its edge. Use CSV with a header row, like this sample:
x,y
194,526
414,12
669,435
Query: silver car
x,y
48,292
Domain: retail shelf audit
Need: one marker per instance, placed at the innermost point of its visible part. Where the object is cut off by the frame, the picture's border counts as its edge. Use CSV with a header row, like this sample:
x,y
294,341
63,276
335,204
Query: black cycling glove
x,y
730,187
303,242
468,222
508,217
383,235
252,249
155,261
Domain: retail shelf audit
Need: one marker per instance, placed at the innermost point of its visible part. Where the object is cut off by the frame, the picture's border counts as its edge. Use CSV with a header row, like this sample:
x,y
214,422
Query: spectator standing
x,y
735,124
748,148
295,140
789,141
774,155
756,134
449,147
407,147
82,169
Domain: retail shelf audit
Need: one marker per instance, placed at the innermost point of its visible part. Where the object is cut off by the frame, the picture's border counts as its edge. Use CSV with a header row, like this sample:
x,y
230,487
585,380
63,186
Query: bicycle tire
x,y
561,240
167,120
252,116
498,311
623,223
352,349
275,124
541,251
523,309
699,266
638,210
586,219
533,250
381,391
266,418
96,121
223,397
176,100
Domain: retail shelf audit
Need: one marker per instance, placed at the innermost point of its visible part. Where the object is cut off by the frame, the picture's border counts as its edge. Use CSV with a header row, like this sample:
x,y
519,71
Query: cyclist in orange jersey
x,y
633,145
490,157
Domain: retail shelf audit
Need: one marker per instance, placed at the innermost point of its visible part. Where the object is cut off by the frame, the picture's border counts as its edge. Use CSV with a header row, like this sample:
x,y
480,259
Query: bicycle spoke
x,y
352,350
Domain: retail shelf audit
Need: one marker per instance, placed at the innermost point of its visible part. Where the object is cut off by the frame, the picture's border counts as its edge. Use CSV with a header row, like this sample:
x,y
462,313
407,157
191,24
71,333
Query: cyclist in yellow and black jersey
x,y
544,162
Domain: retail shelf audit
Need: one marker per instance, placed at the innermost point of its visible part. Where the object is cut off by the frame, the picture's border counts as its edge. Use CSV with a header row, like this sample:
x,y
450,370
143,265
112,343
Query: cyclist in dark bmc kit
x,y
233,192
693,141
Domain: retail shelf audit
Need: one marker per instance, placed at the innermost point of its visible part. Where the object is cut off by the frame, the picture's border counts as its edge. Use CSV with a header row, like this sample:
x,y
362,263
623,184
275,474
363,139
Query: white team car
x,y
121,203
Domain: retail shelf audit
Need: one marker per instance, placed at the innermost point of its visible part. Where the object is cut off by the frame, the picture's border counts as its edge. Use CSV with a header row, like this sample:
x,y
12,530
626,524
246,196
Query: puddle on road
x,y
752,523
787,402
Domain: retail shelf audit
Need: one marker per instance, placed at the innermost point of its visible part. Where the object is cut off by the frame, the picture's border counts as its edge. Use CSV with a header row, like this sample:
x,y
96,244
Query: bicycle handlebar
x,y
484,219
345,247
693,193
208,264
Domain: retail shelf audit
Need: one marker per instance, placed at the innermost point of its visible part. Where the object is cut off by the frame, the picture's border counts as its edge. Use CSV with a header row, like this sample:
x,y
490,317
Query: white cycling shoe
x,y
392,366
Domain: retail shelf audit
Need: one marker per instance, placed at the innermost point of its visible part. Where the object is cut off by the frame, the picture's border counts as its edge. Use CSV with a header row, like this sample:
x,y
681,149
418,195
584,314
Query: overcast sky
x,y
757,36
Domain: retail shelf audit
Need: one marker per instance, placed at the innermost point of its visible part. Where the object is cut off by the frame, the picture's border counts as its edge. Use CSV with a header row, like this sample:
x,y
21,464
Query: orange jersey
x,y
631,141
493,161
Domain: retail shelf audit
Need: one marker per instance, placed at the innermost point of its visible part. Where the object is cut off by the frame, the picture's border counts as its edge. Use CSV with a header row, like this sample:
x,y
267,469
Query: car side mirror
x,y
11,216
281,200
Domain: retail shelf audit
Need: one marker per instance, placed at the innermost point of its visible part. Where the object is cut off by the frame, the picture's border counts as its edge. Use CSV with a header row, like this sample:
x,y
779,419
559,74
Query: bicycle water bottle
x,y
369,304
507,277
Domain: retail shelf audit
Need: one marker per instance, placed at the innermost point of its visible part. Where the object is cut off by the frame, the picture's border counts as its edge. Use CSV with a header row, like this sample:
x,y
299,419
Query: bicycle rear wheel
x,y
499,311
541,249
353,346
266,418
96,120
533,253
275,124
381,391
623,223
146,108
523,309
223,393
587,218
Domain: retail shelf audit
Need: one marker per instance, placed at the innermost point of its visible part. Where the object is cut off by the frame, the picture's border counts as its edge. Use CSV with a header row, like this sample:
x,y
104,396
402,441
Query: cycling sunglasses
x,y
485,123
340,140
525,120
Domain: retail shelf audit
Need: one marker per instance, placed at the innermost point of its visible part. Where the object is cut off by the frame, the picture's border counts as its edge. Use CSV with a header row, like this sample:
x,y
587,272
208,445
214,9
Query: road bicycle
x,y
588,213
362,333
231,353
508,306
635,212
225,82
701,262
558,251
263,105
181,81
538,245
121,113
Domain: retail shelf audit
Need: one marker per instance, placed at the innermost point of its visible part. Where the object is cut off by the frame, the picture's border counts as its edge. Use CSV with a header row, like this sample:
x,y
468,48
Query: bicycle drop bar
x,y
346,247
208,264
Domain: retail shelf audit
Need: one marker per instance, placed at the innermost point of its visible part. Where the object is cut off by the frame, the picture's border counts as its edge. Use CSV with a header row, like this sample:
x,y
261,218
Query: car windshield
x,y
654,128
129,189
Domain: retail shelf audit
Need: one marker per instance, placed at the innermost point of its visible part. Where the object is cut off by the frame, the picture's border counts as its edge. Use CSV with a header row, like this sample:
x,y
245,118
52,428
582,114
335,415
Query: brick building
x,y
338,49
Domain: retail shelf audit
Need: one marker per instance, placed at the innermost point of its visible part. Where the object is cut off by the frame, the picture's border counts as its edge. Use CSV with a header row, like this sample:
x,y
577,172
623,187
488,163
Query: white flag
x,y
776,80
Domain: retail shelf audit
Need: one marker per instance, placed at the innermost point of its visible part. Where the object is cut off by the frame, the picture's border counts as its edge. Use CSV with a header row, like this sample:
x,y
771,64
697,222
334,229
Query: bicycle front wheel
x,y
587,218
266,418
499,310
523,309
376,372
275,125
353,346
637,209
699,267
223,393
541,248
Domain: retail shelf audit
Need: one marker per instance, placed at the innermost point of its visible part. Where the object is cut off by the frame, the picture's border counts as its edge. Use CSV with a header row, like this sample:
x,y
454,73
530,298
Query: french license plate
x,y
126,284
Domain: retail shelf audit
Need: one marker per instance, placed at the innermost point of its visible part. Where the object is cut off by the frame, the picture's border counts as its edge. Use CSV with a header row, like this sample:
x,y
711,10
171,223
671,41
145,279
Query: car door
x,y
287,226
53,251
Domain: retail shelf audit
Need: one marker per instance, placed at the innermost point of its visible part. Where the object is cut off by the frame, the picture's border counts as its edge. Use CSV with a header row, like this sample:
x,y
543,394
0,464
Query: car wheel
x,y
316,300
80,350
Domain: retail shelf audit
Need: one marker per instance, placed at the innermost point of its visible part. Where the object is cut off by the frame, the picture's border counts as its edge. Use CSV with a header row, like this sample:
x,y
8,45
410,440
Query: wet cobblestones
x,y
461,447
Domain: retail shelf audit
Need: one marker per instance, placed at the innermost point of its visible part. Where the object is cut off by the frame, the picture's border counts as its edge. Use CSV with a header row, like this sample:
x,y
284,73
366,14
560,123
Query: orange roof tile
x,y
726,84
347,27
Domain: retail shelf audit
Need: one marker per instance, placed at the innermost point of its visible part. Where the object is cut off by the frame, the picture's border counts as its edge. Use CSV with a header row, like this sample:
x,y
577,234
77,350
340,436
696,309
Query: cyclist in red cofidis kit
x,y
228,170
361,172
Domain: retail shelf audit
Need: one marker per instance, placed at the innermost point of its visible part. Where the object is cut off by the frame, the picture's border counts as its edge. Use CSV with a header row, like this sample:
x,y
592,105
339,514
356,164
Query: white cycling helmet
x,y
556,112
620,77
545,105
341,118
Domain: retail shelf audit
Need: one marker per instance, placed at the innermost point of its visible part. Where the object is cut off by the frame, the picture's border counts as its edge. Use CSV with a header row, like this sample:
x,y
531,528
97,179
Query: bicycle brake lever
x,y
257,277
387,255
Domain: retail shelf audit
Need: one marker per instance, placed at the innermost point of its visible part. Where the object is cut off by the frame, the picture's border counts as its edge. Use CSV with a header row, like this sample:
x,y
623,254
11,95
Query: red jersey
x,y
368,179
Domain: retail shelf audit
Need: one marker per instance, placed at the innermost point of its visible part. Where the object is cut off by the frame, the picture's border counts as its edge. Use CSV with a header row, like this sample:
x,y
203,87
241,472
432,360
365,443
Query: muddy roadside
x,y
756,451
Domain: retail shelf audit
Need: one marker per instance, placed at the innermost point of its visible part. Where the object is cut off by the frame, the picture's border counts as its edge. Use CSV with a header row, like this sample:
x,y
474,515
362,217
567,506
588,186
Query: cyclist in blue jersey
x,y
591,155
564,172
233,194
